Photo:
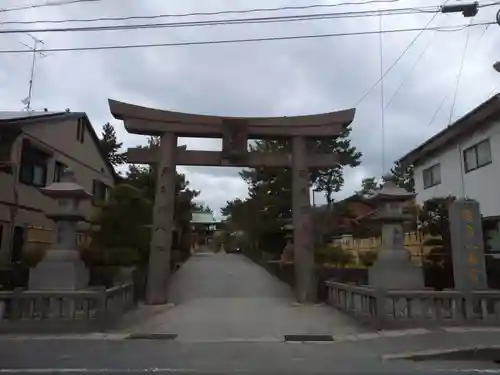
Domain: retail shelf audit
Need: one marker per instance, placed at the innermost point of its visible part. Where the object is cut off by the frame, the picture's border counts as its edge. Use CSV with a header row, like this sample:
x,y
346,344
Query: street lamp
x,y
467,10
496,66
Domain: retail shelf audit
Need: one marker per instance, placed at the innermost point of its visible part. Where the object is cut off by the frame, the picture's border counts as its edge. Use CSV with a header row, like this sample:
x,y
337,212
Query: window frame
x,y
474,149
433,182
100,192
58,171
31,158
80,130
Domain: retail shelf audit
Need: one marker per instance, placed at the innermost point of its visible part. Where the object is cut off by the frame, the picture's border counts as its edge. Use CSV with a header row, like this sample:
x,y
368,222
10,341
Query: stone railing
x,y
64,311
425,308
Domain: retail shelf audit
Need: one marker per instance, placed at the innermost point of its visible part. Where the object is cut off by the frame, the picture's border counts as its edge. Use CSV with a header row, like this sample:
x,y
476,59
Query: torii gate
x,y
235,133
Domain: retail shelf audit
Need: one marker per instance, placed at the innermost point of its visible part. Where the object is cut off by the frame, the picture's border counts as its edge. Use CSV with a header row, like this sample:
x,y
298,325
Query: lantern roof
x,y
66,188
390,192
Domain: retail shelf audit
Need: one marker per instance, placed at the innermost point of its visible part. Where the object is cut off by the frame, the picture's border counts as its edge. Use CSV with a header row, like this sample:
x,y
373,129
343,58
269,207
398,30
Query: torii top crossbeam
x,y
148,121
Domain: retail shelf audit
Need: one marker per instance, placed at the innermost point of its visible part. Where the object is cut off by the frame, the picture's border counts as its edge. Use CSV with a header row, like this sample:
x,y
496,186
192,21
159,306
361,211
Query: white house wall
x,y
482,184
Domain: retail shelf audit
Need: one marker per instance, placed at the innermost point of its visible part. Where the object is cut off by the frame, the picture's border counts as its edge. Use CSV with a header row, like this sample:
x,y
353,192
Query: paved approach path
x,y
224,297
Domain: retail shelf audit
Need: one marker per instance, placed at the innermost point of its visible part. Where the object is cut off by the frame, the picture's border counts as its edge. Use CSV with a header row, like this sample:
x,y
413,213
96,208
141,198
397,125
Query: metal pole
x,y
33,64
33,61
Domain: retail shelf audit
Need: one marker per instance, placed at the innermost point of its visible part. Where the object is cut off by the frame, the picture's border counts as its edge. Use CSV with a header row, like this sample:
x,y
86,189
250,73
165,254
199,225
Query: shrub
x,y
333,255
122,229
367,258
110,257
33,254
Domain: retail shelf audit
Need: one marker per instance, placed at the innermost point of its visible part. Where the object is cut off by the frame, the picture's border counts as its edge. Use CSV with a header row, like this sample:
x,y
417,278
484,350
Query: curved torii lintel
x,y
149,121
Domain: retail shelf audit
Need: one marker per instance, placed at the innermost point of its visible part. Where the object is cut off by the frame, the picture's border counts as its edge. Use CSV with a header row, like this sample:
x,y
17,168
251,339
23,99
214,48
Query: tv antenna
x,y
27,101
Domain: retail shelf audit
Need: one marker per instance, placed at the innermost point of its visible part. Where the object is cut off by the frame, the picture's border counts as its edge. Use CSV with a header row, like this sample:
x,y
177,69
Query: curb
x,y
267,339
424,353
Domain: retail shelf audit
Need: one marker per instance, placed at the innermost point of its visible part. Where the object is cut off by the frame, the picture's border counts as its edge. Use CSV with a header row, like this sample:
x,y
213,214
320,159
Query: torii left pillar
x,y
303,251
163,223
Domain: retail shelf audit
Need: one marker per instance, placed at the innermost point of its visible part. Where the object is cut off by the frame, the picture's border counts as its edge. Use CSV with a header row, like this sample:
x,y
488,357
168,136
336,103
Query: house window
x,y
100,191
432,176
80,130
17,244
477,156
58,171
33,169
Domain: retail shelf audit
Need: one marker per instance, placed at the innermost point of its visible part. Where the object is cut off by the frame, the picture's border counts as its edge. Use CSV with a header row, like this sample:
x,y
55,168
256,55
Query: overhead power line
x,y
291,18
234,41
382,76
408,74
213,13
47,4
382,109
447,95
459,76
241,11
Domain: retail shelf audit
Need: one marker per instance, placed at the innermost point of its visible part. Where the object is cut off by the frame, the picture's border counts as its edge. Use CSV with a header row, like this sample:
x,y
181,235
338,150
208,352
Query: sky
x,y
273,78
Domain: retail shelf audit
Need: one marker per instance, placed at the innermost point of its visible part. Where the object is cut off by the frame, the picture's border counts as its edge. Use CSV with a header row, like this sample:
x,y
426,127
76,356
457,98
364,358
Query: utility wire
x,y
438,109
234,41
489,4
382,109
47,4
292,18
492,92
426,27
242,11
430,9
460,70
408,75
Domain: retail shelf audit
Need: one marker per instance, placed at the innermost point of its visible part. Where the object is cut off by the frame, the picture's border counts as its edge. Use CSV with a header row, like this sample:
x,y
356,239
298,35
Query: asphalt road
x,y
143,356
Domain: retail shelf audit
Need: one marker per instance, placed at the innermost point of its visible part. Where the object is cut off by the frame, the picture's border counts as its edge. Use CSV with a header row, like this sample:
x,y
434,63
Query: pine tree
x,y
368,186
404,177
110,146
331,180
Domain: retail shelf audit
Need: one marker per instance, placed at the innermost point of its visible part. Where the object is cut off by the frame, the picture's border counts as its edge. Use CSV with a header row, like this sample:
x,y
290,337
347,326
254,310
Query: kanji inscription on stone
x,y
469,269
234,140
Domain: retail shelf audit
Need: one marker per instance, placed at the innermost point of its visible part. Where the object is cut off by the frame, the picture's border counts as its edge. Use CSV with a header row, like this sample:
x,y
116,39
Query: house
x,y
35,148
463,160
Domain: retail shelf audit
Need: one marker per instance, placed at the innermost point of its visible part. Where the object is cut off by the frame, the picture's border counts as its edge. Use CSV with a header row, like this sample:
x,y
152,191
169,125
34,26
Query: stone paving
x,y
227,297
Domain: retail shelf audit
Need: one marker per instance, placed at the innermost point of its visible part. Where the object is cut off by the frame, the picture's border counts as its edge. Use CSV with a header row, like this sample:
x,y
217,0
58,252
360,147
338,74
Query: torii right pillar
x,y
305,275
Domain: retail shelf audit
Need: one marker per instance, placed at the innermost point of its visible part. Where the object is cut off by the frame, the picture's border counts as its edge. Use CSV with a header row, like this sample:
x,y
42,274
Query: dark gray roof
x,y
22,115
470,122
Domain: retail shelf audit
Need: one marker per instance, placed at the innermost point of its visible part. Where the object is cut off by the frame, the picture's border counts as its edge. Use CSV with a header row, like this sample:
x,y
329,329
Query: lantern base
x,y
395,274
59,272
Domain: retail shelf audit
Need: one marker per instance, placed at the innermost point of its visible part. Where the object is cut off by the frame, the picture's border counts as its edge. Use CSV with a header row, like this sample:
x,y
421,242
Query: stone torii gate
x,y
235,132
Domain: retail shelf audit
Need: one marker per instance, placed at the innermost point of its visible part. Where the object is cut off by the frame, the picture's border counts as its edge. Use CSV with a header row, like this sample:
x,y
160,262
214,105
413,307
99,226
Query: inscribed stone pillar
x,y
303,253
469,269
163,222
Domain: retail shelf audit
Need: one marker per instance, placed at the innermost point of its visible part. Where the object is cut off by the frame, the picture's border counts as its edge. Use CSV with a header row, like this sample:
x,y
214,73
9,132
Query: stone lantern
x,y
393,268
62,268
